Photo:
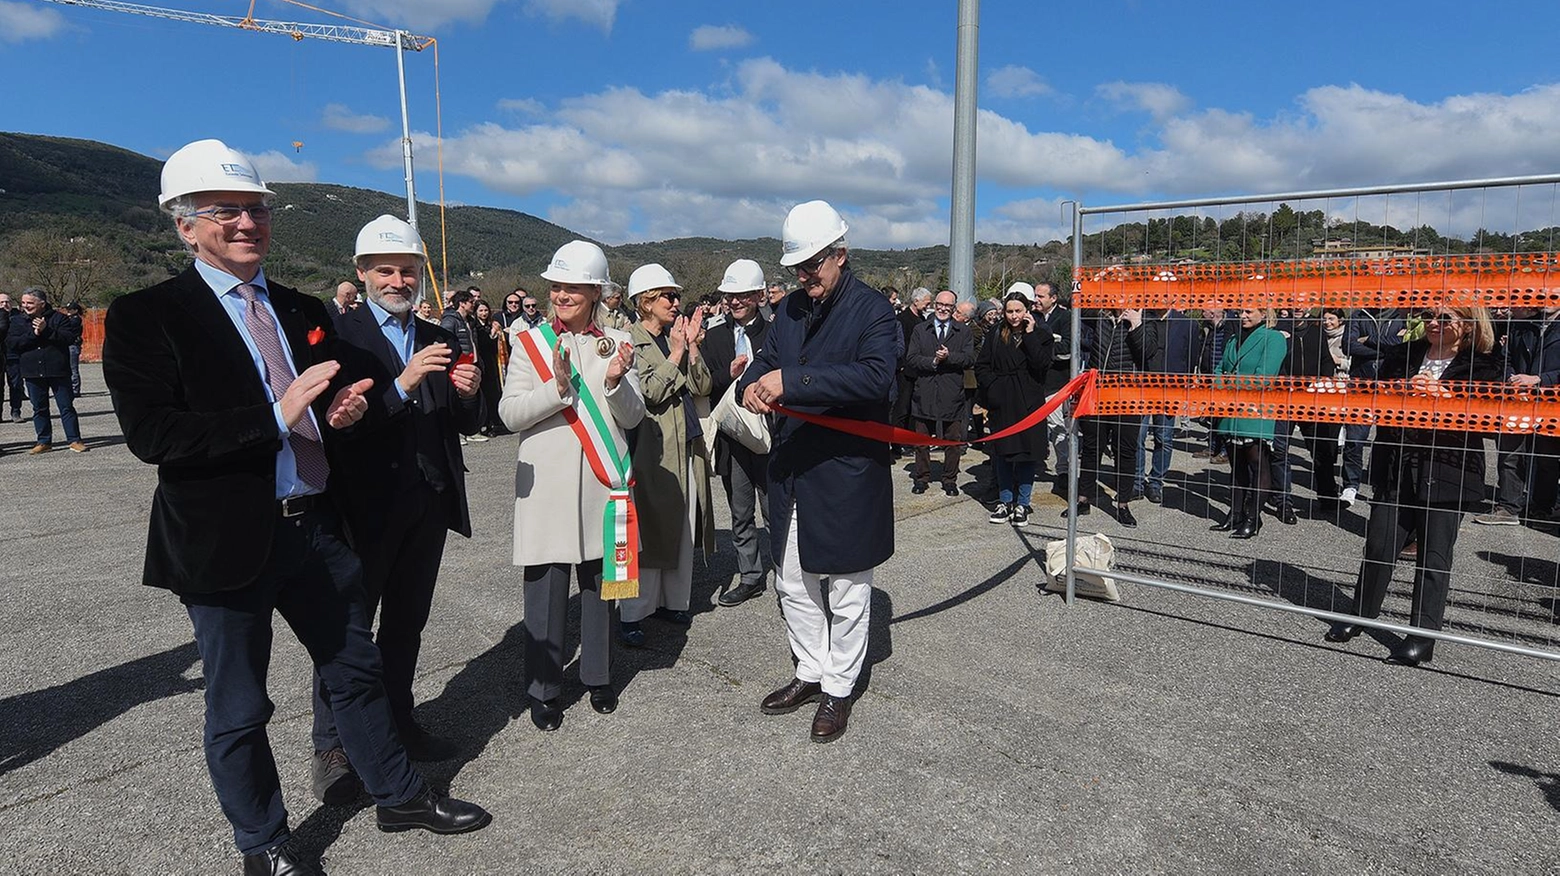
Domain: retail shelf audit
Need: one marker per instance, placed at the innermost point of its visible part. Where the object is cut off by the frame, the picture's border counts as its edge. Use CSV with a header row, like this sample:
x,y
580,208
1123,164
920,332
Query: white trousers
x,y
669,588
829,640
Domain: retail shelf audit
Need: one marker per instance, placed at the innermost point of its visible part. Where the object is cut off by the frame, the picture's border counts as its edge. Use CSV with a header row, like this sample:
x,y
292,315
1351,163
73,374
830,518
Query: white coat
x,y
558,501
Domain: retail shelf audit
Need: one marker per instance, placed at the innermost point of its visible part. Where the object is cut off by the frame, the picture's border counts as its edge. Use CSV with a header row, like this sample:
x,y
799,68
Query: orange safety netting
x,y
1457,405
1512,279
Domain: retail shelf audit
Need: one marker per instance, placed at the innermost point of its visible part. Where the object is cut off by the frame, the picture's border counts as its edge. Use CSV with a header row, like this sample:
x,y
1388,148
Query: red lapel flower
x,y
316,335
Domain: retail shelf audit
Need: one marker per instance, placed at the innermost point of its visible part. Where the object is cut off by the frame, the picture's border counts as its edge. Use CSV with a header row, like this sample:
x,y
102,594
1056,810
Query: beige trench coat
x,y
662,455
558,500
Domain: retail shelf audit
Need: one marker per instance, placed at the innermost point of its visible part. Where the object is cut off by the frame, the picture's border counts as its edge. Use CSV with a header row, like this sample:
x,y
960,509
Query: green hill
x,y
79,218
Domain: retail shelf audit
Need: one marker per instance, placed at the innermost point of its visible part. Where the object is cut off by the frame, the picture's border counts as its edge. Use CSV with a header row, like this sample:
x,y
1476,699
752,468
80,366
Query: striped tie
x,y
304,438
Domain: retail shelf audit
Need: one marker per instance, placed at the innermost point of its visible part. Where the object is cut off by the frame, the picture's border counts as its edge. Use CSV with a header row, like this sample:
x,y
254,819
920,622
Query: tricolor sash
x,y
607,455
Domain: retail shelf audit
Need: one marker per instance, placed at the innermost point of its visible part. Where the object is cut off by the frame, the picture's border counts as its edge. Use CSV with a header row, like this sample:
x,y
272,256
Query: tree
x,y
67,268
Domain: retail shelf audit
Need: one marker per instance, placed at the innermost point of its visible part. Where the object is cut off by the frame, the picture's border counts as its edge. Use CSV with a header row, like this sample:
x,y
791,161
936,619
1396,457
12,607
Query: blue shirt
x,y
402,337
225,286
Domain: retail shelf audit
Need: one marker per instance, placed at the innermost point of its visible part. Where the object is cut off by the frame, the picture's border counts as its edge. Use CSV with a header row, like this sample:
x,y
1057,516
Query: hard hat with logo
x,y
648,277
808,229
742,275
208,166
578,261
1023,289
388,235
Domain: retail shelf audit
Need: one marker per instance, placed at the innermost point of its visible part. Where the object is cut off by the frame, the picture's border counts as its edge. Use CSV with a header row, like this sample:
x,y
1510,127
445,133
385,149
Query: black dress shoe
x,y
829,723
951,491
603,698
334,781
1225,525
1412,651
435,812
791,697
1154,494
1083,510
546,715
1249,527
1286,515
1343,632
918,489
279,861
423,746
1125,518
741,593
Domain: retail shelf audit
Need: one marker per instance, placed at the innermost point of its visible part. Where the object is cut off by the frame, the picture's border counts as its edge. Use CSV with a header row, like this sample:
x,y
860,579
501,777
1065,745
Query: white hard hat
x,y
578,261
1023,289
648,277
208,166
808,229
742,275
388,235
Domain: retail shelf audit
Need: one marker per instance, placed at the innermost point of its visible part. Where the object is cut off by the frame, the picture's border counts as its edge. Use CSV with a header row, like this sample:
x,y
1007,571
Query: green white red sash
x,y
607,455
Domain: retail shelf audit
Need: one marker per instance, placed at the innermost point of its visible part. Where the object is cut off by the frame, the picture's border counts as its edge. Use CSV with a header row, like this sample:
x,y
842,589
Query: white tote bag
x,y
1094,552
745,427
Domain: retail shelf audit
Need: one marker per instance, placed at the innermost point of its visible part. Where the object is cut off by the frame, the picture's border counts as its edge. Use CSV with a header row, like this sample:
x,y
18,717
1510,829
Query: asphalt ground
x,y
998,730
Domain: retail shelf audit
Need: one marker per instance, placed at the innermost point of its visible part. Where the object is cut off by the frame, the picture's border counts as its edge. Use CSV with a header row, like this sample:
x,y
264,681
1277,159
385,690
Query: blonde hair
x,y
1483,331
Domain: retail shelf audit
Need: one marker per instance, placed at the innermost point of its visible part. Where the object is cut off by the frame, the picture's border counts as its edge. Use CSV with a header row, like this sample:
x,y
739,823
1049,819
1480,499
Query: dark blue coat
x,y
45,354
838,358
1534,348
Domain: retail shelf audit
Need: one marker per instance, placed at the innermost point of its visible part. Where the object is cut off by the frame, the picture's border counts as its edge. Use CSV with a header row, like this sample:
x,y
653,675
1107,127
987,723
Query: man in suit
x,y
402,479
727,349
219,378
939,351
831,350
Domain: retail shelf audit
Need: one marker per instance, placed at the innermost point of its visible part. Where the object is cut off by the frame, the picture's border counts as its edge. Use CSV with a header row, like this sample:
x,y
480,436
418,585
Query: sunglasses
x,y
1431,316
812,265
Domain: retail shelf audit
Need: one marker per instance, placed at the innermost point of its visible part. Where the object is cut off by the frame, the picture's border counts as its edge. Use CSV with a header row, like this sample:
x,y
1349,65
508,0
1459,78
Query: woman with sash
x,y
571,394
672,475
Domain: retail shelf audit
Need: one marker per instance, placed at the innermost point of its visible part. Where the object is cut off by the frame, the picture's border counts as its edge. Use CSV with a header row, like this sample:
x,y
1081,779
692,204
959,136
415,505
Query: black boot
x,y
1251,520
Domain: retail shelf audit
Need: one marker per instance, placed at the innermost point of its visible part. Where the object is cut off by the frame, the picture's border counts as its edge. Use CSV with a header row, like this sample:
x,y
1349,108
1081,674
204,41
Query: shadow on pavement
x,y
1548,783
34,724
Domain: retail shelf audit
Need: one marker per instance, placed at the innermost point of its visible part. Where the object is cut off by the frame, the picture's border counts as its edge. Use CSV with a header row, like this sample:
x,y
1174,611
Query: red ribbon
x,y
1081,387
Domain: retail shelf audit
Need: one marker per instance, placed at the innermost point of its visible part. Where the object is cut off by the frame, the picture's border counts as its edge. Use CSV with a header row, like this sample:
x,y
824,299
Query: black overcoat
x,y
836,357
1011,379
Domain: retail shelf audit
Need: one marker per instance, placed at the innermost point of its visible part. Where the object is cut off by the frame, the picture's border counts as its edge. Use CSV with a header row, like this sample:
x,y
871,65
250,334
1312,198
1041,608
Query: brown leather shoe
x,y
791,697
40,448
829,723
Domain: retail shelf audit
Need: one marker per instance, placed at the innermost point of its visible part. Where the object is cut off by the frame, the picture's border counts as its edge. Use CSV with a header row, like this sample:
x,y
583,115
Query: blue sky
x,y
638,120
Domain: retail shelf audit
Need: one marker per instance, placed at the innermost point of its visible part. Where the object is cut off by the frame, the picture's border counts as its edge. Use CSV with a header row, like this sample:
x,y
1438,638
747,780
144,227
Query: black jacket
x,y
191,402
1170,342
399,445
1011,381
45,354
939,386
719,351
1059,321
836,358
453,322
1439,467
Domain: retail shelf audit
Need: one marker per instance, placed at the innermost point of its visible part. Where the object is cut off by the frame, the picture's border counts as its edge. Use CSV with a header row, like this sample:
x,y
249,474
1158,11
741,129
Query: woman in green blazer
x,y
1258,350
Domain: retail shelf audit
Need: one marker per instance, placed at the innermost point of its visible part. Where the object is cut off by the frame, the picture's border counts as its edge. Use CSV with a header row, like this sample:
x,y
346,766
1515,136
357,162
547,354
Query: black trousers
x,y
951,430
400,570
1390,527
1322,439
1122,434
315,583
13,380
546,609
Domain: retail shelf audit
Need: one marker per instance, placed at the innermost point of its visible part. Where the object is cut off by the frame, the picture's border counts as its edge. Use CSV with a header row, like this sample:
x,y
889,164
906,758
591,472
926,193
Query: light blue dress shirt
x,y
402,338
225,286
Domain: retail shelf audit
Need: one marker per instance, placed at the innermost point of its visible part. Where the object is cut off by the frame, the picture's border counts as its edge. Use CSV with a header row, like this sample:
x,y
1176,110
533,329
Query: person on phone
x,y
402,479
570,394
728,348
1010,370
671,465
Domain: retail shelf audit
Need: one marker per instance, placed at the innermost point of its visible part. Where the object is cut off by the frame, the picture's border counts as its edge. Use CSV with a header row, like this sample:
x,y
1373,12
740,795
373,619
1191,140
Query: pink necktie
x,y
304,437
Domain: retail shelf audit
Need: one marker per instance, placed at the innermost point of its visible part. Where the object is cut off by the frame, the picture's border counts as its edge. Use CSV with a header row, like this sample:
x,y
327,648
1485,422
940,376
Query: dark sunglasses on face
x,y
1431,316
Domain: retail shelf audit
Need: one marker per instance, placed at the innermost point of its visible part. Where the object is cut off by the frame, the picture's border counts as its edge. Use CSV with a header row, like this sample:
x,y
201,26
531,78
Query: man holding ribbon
x,y
832,349
571,394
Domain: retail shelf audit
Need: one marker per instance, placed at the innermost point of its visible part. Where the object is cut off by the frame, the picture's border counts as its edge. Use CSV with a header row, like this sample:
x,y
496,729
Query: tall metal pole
x,y
1073,463
961,244
406,130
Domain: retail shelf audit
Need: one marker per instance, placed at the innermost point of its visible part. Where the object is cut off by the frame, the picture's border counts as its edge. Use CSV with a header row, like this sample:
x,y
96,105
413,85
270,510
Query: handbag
x,y
740,424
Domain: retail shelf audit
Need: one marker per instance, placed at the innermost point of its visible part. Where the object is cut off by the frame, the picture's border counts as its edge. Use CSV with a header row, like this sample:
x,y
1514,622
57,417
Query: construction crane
x,y
399,40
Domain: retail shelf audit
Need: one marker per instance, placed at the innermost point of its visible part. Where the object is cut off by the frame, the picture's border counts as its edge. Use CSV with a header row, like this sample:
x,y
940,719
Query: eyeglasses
x,y
512,301
942,306
812,265
259,214
1431,316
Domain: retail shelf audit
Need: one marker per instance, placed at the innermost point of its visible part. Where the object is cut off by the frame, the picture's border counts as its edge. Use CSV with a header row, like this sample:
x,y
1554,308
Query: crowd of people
x,y
311,459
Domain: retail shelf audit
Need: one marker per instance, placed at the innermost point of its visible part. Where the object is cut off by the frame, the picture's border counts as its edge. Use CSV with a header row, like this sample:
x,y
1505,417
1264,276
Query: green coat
x,y
1260,354
662,453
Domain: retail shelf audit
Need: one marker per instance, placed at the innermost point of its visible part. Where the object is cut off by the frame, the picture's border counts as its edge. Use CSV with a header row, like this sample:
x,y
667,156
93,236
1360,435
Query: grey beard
x,y
397,305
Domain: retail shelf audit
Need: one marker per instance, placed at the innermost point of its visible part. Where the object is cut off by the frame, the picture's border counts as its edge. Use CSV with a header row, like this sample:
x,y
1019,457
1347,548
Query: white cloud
x,y
278,167
20,22
1015,81
600,13
1155,98
339,117
712,37
421,14
528,106
729,160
